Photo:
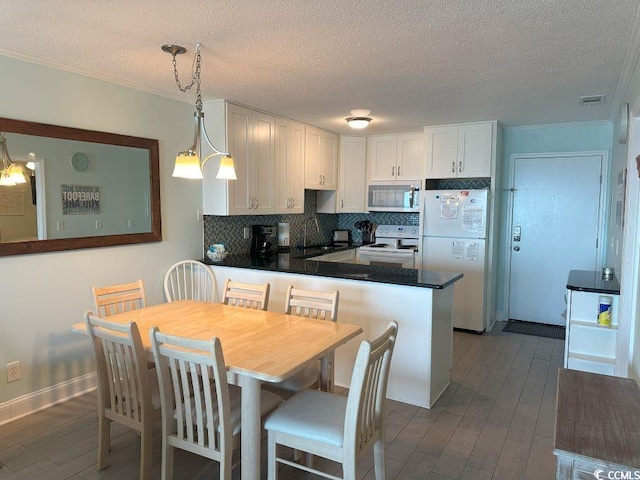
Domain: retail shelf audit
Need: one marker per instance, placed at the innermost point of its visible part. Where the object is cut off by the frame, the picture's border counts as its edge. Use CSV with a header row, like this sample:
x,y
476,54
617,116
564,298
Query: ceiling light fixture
x,y
359,119
188,162
11,173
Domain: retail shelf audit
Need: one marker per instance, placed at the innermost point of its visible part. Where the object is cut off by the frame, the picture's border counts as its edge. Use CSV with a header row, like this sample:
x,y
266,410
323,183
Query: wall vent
x,y
589,100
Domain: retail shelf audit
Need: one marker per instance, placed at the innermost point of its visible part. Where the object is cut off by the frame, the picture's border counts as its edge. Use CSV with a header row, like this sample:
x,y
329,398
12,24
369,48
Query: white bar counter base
x,y
422,356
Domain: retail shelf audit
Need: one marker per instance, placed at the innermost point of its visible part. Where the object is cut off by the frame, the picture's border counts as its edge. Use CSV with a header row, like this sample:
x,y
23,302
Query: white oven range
x,y
396,246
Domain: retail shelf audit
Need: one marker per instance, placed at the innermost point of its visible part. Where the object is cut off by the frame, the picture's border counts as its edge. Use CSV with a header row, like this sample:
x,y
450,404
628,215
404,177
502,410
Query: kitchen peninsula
x,y
370,296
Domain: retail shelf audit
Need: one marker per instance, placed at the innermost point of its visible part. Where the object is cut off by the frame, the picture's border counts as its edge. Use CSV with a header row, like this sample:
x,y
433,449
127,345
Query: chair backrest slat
x,y
119,298
246,295
189,280
365,403
123,383
194,391
312,303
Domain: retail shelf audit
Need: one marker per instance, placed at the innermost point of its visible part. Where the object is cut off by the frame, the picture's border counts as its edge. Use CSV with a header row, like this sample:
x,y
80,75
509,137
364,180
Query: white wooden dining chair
x,y
119,298
189,280
127,388
246,295
317,305
200,410
332,426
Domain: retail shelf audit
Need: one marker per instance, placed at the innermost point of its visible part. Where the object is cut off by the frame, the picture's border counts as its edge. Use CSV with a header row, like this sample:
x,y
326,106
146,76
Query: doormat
x,y
532,328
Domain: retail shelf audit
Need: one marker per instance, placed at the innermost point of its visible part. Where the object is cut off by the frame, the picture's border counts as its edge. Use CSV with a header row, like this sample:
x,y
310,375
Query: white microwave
x,y
394,197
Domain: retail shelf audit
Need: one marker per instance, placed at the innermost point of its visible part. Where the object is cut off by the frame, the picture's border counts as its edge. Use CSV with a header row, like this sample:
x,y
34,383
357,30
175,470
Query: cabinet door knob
x,y
342,203
398,170
516,249
460,167
393,171
453,167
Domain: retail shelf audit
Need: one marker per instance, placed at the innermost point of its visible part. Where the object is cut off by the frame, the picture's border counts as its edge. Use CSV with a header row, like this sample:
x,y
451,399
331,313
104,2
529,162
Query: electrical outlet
x,y
60,226
98,224
13,371
246,232
198,214
130,223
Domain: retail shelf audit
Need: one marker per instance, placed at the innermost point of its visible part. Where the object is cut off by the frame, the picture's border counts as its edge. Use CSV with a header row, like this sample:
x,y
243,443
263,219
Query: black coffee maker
x,y
262,244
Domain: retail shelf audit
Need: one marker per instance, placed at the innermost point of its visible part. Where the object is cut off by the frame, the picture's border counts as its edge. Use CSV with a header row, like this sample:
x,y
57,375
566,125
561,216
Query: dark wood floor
x,y
495,421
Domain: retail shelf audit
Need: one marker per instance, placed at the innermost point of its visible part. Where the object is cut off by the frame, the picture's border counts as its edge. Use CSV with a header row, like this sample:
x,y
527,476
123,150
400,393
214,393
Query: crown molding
x,y
71,68
628,66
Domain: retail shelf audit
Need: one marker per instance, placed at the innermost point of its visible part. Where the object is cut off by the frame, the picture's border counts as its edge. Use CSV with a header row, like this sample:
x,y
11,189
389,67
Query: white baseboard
x,y
47,397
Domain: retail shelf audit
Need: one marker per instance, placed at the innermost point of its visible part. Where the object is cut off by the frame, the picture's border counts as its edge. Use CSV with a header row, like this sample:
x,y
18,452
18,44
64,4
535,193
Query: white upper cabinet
x,y
289,159
395,157
352,183
351,194
410,158
382,151
321,159
460,151
249,137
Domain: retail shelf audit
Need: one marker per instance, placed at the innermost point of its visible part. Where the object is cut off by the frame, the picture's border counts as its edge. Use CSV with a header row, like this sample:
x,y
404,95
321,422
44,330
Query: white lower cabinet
x,y
589,346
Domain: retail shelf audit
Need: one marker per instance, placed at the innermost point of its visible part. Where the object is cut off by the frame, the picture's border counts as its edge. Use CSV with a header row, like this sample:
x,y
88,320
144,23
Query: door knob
x,y
517,249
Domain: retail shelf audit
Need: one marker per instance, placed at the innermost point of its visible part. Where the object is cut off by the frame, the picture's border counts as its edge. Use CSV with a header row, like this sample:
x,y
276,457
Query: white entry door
x,y
556,224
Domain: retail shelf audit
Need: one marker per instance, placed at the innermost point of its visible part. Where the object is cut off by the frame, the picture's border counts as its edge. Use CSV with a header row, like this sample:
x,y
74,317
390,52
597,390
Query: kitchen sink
x,y
323,248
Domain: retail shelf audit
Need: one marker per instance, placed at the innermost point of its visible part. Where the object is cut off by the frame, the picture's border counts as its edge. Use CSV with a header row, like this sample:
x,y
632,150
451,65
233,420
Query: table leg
x,y
250,425
326,372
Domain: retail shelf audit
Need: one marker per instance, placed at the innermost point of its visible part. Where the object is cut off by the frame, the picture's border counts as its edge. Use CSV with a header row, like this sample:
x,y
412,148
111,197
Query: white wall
x,y
41,295
629,274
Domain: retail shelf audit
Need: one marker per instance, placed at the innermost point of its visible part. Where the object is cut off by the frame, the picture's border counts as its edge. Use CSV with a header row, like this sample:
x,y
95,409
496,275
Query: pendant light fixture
x,y
188,163
11,173
359,119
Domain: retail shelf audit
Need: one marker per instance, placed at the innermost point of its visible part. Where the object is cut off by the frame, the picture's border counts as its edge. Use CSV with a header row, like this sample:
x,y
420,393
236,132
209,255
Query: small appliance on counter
x,y
342,238
283,237
262,237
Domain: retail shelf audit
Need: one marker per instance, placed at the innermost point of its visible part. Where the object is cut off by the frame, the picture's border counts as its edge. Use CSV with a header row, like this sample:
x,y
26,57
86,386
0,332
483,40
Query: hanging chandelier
x,y
10,173
188,164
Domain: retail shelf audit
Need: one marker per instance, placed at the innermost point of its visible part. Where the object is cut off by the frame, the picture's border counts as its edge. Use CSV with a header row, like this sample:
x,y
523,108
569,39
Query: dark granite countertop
x,y
590,281
293,263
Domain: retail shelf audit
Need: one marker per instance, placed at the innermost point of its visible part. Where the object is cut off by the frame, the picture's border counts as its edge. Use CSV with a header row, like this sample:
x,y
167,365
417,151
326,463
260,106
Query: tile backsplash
x,y
230,230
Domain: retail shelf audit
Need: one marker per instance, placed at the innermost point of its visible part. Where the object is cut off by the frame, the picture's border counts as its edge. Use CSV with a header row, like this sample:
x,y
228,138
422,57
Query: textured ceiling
x,y
411,62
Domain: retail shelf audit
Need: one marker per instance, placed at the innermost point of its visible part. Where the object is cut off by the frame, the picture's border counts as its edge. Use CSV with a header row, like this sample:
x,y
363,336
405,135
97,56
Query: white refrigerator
x,y
454,231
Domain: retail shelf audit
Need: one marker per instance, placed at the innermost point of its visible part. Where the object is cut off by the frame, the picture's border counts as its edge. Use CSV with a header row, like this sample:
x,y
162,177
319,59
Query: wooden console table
x,y
597,425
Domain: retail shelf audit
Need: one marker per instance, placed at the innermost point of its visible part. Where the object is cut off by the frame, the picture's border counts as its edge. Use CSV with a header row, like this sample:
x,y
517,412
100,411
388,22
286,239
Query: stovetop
x,y
390,247
395,238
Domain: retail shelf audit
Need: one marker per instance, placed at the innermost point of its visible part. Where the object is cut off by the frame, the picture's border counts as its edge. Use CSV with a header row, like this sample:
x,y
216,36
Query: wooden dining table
x,y
258,346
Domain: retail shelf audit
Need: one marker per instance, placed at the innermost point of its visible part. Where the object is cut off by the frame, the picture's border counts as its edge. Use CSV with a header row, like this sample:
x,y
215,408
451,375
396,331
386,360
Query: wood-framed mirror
x,y
84,189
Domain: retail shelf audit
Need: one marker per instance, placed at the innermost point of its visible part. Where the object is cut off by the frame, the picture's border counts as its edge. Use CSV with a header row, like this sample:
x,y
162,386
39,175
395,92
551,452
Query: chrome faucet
x,y
304,229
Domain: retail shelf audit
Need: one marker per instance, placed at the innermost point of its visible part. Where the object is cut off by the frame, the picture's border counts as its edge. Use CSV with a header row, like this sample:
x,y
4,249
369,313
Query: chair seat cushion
x,y
302,380
268,402
311,414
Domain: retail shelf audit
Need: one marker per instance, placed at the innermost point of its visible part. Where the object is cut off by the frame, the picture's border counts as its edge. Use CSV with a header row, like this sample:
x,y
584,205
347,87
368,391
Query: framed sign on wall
x,y
80,199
